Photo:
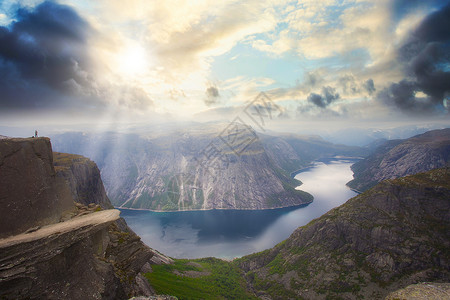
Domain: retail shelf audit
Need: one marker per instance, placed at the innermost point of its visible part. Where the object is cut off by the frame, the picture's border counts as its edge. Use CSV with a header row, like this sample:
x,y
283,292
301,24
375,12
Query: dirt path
x,y
95,218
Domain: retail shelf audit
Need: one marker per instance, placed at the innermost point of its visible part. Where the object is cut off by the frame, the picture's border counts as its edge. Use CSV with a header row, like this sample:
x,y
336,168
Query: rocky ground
x,y
420,291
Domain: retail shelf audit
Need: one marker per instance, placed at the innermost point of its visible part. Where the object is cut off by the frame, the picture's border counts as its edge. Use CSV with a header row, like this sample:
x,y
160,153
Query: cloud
x,y
351,86
402,95
43,57
369,86
185,37
402,8
47,44
321,29
212,91
326,98
424,57
212,95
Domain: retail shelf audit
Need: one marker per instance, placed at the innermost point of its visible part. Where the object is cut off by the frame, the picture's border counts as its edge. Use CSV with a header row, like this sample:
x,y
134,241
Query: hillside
x,y
397,158
201,167
395,234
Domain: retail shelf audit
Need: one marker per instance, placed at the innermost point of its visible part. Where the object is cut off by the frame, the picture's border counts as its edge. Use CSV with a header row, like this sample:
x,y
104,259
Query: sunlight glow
x,y
132,60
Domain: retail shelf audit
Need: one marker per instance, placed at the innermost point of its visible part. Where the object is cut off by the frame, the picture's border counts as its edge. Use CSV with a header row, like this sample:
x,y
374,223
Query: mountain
x,y
397,158
393,235
213,167
57,244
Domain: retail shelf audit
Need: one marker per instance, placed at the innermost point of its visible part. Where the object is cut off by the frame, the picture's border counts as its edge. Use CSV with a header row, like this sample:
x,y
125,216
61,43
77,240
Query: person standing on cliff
x,y
35,133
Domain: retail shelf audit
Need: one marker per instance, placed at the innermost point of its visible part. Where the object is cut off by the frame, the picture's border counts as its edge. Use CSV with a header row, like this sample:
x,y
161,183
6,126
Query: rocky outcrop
x,y
222,166
399,158
30,192
60,261
420,291
81,253
83,177
393,235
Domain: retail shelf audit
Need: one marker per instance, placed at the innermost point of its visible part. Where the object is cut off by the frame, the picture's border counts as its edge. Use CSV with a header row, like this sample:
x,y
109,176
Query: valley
x,y
384,239
194,169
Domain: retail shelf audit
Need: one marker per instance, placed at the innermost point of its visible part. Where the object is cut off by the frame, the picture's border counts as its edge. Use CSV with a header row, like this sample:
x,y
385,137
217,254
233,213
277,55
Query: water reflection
x,y
228,234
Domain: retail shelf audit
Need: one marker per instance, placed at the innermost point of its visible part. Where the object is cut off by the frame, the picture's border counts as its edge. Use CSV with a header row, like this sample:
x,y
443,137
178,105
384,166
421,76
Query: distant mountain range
x,y
397,158
364,136
222,166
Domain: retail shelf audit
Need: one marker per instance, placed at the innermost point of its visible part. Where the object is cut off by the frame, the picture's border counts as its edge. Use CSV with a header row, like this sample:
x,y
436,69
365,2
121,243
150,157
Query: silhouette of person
x,y
35,133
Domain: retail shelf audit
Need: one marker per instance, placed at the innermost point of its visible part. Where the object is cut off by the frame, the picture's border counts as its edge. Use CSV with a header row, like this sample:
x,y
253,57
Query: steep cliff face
x,y
399,158
83,178
201,168
395,234
92,254
30,193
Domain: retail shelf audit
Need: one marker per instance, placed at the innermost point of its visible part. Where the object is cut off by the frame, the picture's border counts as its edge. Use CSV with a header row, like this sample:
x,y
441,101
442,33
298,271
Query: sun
x,y
132,60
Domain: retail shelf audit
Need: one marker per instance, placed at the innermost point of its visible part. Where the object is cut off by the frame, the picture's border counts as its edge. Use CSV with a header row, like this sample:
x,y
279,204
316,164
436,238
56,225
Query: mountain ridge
x,y
397,158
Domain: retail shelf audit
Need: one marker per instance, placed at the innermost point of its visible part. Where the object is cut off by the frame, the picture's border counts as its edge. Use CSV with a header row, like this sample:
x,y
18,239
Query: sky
x,y
319,63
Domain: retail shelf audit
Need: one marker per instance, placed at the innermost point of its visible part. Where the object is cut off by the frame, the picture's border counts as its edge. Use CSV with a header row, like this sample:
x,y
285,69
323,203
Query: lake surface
x,y
234,233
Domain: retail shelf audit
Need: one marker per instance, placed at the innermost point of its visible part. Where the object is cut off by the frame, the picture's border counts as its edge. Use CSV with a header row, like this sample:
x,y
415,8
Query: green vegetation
x,y
206,278
273,288
63,161
277,265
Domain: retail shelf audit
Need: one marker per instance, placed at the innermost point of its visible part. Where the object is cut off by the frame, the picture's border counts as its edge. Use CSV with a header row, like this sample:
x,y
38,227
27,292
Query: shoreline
x,y
218,209
355,190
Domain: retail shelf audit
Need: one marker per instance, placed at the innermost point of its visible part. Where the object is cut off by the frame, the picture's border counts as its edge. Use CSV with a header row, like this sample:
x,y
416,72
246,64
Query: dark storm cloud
x,y
369,86
402,95
42,54
425,57
212,95
328,95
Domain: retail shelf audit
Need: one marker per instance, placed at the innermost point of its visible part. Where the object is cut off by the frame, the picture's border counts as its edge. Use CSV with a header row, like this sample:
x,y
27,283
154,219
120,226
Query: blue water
x,y
234,233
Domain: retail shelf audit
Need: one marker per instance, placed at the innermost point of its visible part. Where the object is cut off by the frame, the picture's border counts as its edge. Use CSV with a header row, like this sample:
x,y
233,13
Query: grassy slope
x,y
216,279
